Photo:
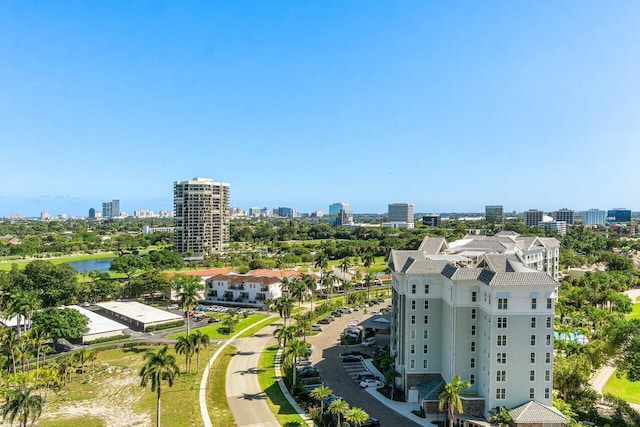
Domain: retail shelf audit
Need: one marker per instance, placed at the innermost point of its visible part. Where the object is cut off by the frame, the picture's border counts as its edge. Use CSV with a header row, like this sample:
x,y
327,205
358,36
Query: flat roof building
x,y
138,316
563,214
533,217
494,214
401,212
99,326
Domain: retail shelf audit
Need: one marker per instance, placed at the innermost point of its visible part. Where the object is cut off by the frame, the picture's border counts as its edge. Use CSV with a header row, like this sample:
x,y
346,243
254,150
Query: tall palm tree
x,y
24,351
159,367
338,407
328,281
450,397
184,345
92,356
344,265
295,350
311,285
38,338
283,306
357,416
319,393
284,334
368,259
23,405
189,298
346,285
199,341
9,340
80,357
298,291
304,324
369,280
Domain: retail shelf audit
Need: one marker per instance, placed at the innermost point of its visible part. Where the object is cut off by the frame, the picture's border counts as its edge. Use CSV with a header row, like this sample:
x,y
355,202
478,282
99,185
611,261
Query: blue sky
x,y
449,105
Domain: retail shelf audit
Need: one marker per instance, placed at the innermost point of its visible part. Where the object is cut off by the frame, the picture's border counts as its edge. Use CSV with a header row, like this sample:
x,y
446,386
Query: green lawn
x,y
280,406
212,329
635,312
219,411
623,388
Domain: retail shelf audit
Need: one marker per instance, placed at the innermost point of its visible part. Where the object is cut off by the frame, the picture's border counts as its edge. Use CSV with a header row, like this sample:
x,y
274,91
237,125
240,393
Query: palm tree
x,y
283,306
319,393
92,356
328,281
38,338
356,416
23,351
189,295
344,266
184,345
390,378
501,417
338,407
199,341
369,280
368,259
284,334
295,350
159,367
9,340
298,291
311,285
303,324
80,357
23,405
346,285
450,397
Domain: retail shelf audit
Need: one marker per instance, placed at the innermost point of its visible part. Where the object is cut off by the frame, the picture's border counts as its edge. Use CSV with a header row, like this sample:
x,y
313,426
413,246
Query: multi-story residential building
x,y
558,226
533,217
432,220
92,213
563,214
494,214
619,215
111,209
201,216
594,217
401,212
481,308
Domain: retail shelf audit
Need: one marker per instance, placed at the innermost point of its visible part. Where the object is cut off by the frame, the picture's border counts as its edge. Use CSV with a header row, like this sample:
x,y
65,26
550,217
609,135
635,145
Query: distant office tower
x,y
401,212
44,216
594,217
532,217
285,212
432,220
494,214
619,215
92,213
201,216
111,209
343,212
563,214
335,208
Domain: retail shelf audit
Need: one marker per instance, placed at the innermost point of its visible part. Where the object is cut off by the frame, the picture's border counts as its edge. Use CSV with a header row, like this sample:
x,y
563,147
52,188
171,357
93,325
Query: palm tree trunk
x,y
187,314
158,409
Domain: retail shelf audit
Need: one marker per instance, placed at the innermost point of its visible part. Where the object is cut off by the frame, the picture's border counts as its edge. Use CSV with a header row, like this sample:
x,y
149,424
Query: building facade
x,y
432,220
256,288
533,217
401,212
485,315
563,214
111,209
201,216
494,214
594,217
619,215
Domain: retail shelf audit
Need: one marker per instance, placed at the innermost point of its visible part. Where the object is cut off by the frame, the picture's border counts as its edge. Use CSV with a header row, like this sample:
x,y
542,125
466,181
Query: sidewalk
x,y
403,408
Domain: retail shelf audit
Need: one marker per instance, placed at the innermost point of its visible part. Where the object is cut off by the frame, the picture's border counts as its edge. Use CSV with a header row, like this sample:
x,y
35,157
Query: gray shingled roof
x,y
432,245
398,259
536,278
536,412
425,266
467,274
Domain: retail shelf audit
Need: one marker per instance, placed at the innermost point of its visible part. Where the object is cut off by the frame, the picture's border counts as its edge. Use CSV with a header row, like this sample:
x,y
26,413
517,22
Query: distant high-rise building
x,y
563,214
532,217
283,212
343,213
45,216
432,220
494,214
92,213
594,217
111,209
201,216
401,212
619,215
335,208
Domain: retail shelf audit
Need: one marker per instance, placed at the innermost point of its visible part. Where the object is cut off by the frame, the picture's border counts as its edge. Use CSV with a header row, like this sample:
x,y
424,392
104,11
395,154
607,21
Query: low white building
x,y
99,326
138,316
255,288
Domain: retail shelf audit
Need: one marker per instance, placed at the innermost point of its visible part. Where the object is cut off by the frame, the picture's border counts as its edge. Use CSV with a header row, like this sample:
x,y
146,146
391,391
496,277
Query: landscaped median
x,y
213,329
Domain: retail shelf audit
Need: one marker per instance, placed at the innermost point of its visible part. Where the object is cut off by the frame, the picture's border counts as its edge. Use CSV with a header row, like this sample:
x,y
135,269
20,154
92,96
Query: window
x,y
472,363
502,303
413,320
548,340
473,346
412,364
474,296
502,340
426,304
534,303
413,349
533,322
425,334
502,358
548,322
426,289
532,340
426,319
425,364
547,358
472,379
532,375
413,334
546,393
549,303
413,305
473,330
413,289
547,375
425,348
473,313
532,393
501,376
502,323
501,393
532,357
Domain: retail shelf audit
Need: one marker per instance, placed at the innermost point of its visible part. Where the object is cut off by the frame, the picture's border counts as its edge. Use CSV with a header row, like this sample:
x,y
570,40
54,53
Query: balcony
x,y
264,289
237,287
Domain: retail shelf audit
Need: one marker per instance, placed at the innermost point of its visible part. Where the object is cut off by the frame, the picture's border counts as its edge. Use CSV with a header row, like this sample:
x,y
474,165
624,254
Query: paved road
x,y
246,399
335,374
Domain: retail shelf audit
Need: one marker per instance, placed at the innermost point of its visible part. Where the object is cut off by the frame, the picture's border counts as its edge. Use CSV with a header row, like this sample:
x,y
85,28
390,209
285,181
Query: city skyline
x,y
449,106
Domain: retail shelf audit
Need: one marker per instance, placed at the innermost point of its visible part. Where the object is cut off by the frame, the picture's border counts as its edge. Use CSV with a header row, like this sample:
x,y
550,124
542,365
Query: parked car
x,y
308,373
316,327
368,341
350,358
355,309
371,422
336,314
213,320
365,375
327,400
370,383
172,307
324,321
346,310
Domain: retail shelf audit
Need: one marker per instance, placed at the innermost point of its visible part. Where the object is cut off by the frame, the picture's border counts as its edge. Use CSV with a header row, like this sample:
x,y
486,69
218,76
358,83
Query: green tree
x,y
285,334
61,323
311,286
295,350
159,367
501,417
357,416
185,345
199,341
283,306
338,407
23,406
450,397
319,394
369,280
188,286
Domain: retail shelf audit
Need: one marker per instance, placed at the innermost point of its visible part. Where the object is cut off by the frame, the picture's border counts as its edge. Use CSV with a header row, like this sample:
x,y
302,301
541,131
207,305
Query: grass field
x,y
623,388
280,406
635,312
212,329
219,411
112,396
